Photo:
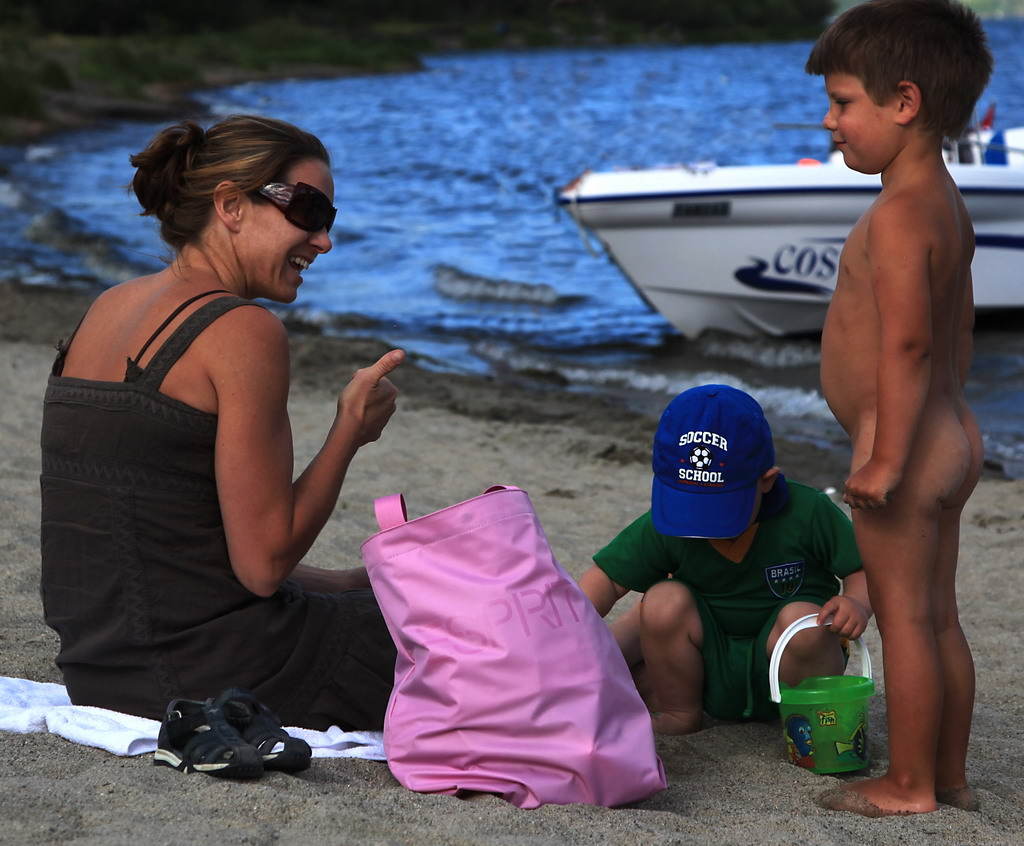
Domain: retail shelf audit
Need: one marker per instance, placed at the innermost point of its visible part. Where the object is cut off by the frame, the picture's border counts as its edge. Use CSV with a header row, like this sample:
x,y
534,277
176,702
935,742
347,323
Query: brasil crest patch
x,y
785,580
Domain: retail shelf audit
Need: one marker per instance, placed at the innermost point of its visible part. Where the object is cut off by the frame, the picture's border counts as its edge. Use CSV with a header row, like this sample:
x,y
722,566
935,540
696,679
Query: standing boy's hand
x,y
871,486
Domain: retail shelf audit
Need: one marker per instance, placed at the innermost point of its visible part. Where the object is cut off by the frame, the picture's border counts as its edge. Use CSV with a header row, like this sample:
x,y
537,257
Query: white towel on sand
x,y
27,706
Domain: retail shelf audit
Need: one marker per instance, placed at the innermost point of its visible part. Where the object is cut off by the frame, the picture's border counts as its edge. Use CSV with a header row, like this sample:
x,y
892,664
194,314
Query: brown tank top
x,y
136,577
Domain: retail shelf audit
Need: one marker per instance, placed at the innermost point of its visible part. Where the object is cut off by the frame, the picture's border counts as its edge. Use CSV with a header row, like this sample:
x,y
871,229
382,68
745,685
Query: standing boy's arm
x,y
898,248
601,590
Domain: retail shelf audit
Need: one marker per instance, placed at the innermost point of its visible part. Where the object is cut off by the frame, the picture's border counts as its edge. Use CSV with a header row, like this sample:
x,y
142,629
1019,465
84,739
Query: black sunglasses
x,y
301,204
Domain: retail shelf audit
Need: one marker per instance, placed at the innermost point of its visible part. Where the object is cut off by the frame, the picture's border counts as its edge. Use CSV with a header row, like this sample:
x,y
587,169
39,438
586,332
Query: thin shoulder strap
x,y
62,347
132,369
174,347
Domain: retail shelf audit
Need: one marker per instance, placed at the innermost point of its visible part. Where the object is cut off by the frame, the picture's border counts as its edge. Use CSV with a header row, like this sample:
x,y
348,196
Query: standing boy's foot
x,y
963,798
871,798
838,799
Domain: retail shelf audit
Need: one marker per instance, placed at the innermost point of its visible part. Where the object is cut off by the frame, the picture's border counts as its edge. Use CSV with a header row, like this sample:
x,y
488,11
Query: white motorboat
x,y
755,249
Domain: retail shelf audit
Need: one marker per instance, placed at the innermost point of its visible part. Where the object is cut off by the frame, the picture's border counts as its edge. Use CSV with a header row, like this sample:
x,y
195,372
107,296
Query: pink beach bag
x,y
507,680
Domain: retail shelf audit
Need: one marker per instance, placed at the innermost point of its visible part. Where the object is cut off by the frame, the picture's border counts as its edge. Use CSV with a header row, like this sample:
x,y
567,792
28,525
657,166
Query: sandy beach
x,y
585,465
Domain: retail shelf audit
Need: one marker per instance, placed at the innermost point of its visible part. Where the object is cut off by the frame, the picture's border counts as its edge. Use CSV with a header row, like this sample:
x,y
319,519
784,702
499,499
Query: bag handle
x,y
807,622
391,511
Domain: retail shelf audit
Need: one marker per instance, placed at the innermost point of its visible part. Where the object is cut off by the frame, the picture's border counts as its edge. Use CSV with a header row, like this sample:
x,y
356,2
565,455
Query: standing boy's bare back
x,y
896,350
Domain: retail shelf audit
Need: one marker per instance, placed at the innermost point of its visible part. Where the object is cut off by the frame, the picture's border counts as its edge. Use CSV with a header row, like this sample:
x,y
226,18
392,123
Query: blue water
x,y
448,241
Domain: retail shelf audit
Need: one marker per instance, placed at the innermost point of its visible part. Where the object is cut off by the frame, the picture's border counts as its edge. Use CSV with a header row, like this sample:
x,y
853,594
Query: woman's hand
x,y
368,401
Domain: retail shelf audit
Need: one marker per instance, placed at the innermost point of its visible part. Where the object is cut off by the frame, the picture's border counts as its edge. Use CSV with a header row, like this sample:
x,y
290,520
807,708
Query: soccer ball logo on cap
x,y
700,457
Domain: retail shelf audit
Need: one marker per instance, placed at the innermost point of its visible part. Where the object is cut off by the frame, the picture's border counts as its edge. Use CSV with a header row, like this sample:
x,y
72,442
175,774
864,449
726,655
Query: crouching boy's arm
x,y
601,590
851,610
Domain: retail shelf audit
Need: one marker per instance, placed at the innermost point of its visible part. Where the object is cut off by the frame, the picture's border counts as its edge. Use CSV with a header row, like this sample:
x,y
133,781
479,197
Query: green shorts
x,y
736,668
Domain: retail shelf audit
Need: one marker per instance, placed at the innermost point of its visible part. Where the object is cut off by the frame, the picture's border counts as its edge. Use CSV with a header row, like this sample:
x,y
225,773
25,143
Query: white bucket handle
x,y
808,622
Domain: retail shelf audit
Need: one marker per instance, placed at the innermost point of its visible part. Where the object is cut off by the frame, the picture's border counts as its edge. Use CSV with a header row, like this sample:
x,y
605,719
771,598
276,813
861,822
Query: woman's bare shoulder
x,y
246,335
118,296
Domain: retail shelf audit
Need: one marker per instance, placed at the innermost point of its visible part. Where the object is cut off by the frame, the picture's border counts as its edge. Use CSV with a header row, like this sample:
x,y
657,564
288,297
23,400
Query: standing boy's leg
x,y
954,652
898,545
909,550
957,673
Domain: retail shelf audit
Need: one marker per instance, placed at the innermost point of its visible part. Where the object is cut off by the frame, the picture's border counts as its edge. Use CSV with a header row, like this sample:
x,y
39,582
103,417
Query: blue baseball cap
x,y
712,446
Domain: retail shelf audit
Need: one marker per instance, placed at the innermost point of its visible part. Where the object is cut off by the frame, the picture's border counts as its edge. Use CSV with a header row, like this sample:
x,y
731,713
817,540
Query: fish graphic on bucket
x,y
824,718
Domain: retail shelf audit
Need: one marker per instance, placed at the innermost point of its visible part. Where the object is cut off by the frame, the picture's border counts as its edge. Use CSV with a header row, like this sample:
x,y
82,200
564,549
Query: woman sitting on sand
x,y
172,529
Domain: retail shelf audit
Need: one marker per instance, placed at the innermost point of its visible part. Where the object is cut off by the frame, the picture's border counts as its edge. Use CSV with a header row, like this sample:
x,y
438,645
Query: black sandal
x,y
197,737
259,727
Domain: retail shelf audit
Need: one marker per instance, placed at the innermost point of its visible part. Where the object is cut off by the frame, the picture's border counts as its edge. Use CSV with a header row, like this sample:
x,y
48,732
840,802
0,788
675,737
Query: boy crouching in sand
x,y
896,345
728,555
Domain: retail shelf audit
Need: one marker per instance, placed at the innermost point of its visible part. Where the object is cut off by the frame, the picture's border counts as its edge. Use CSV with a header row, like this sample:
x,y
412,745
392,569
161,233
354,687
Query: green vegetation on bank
x,y
56,54
44,73
123,17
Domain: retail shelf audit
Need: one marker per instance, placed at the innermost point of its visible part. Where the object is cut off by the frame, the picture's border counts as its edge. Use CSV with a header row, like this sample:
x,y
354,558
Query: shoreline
x,y
326,362
321,362
585,465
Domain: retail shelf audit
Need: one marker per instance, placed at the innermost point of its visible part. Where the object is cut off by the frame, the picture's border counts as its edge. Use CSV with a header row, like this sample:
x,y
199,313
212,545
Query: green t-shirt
x,y
798,553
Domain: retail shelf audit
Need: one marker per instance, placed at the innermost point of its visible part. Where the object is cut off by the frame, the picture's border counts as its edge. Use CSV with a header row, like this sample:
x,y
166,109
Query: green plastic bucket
x,y
824,718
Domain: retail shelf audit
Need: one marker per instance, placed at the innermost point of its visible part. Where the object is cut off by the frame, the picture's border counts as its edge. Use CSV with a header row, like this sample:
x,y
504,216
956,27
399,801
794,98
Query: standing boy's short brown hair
x,y
939,45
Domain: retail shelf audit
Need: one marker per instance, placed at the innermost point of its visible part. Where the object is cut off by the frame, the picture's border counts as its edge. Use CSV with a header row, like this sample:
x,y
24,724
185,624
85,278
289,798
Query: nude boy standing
x,y
900,76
